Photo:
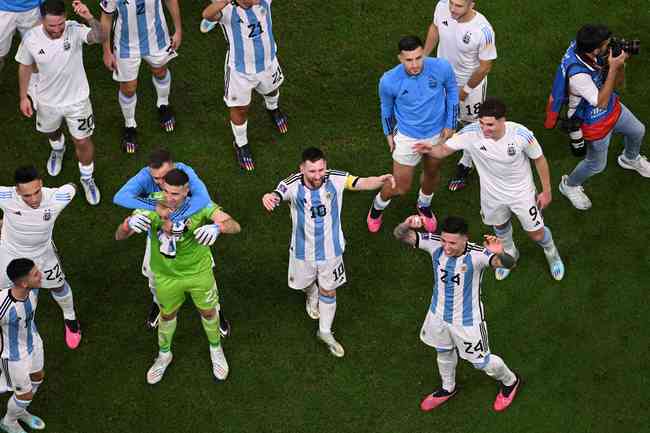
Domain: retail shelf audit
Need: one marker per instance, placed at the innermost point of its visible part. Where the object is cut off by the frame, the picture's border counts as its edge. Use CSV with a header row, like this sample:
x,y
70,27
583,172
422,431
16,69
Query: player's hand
x,y
388,178
445,135
177,38
423,148
206,235
493,244
544,199
139,223
109,61
414,222
26,107
391,142
163,210
270,201
81,10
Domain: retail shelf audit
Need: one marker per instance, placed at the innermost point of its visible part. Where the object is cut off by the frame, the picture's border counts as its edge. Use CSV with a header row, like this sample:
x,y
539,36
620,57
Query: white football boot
x,y
334,346
220,367
90,189
157,370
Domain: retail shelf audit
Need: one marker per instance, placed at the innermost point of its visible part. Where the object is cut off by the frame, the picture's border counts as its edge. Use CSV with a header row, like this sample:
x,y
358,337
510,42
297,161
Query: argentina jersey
x,y
17,325
456,281
316,215
249,34
140,27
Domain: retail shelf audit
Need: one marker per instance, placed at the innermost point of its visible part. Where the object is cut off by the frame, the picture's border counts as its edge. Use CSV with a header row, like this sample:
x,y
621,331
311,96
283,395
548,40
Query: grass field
x,y
582,345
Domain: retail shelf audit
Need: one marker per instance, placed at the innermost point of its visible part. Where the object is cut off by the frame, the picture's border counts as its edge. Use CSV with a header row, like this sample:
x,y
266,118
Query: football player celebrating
x,y
419,101
465,38
502,152
316,264
22,348
140,33
251,63
181,262
454,323
56,48
30,211
137,192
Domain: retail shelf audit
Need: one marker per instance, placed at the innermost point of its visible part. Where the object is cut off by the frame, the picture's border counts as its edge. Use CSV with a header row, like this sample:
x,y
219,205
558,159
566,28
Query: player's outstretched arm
x,y
175,12
432,39
133,194
543,198
137,223
374,182
106,22
438,151
213,12
406,231
96,34
227,224
271,200
501,259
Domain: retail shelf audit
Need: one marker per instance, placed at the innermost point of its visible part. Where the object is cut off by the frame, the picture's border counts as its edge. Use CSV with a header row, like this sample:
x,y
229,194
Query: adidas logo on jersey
x,y
42,51
483,148
445,23
404,92
17,212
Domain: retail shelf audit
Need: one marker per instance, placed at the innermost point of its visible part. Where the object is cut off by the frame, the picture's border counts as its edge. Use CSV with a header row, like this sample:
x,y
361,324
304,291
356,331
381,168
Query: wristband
x,y
467,89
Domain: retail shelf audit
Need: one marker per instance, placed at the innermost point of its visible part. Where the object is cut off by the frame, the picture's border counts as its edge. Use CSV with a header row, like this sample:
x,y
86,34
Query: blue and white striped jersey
x,y
27,232
456,281
17,325
249,33
316,215
140,27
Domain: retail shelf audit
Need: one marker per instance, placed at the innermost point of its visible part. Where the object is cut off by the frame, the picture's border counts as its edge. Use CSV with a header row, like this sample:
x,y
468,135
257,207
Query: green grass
x,y
582,345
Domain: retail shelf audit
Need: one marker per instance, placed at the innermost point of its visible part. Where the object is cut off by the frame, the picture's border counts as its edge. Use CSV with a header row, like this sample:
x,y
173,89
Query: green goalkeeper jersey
x,y
191,257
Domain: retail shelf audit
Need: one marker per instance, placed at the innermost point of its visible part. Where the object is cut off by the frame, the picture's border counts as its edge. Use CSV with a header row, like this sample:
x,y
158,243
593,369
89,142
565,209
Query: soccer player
x,y
136,194
140,33
465,38
419,101
455,323
30,211
22,347
315,195
182,264
502,152
251,63
56,48
19,15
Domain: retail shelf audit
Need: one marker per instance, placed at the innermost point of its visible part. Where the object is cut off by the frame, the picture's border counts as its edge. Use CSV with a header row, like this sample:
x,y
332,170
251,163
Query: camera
x,y
577,143
619,45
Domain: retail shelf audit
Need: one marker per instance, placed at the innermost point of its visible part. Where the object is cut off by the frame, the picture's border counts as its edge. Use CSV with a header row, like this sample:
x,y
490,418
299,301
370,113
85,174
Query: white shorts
x,y
330,274
497,213
16,373
12,21
468,109
79,117
471,341
48,263
238,87
404,153
127,69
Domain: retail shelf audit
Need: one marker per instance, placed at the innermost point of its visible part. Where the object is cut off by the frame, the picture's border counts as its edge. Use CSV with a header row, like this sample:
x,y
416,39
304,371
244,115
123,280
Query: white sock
x,y
379,203
466,159
58,145
423,199
65,301
497,369
311,293
447,362
271,102
239,131
163,87
505,235
327,311
87,170
547,243
127,104
35,386
153,294
16,408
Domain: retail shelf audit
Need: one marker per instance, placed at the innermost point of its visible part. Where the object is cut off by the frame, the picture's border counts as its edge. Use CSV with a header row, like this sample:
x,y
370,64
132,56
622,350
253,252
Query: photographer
x,y
589,72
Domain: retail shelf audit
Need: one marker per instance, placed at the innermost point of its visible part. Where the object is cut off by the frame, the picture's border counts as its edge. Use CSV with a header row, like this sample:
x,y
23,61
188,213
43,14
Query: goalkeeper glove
x,y
206,235
139,223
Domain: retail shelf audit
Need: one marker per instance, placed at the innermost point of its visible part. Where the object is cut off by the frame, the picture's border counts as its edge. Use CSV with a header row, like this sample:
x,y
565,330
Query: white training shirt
x,y
27,232
62,77
503,165
19,333
140,28
456,297
463,44
316,215
581,86
17,324
249,33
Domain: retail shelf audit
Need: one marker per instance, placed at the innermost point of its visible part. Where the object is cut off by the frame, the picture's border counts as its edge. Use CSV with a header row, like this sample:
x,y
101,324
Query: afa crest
x,y
467,37
432,82
47,215
511,150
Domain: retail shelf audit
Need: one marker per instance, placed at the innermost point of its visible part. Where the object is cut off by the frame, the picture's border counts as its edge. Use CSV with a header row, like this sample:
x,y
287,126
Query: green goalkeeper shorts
x,y
171,292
